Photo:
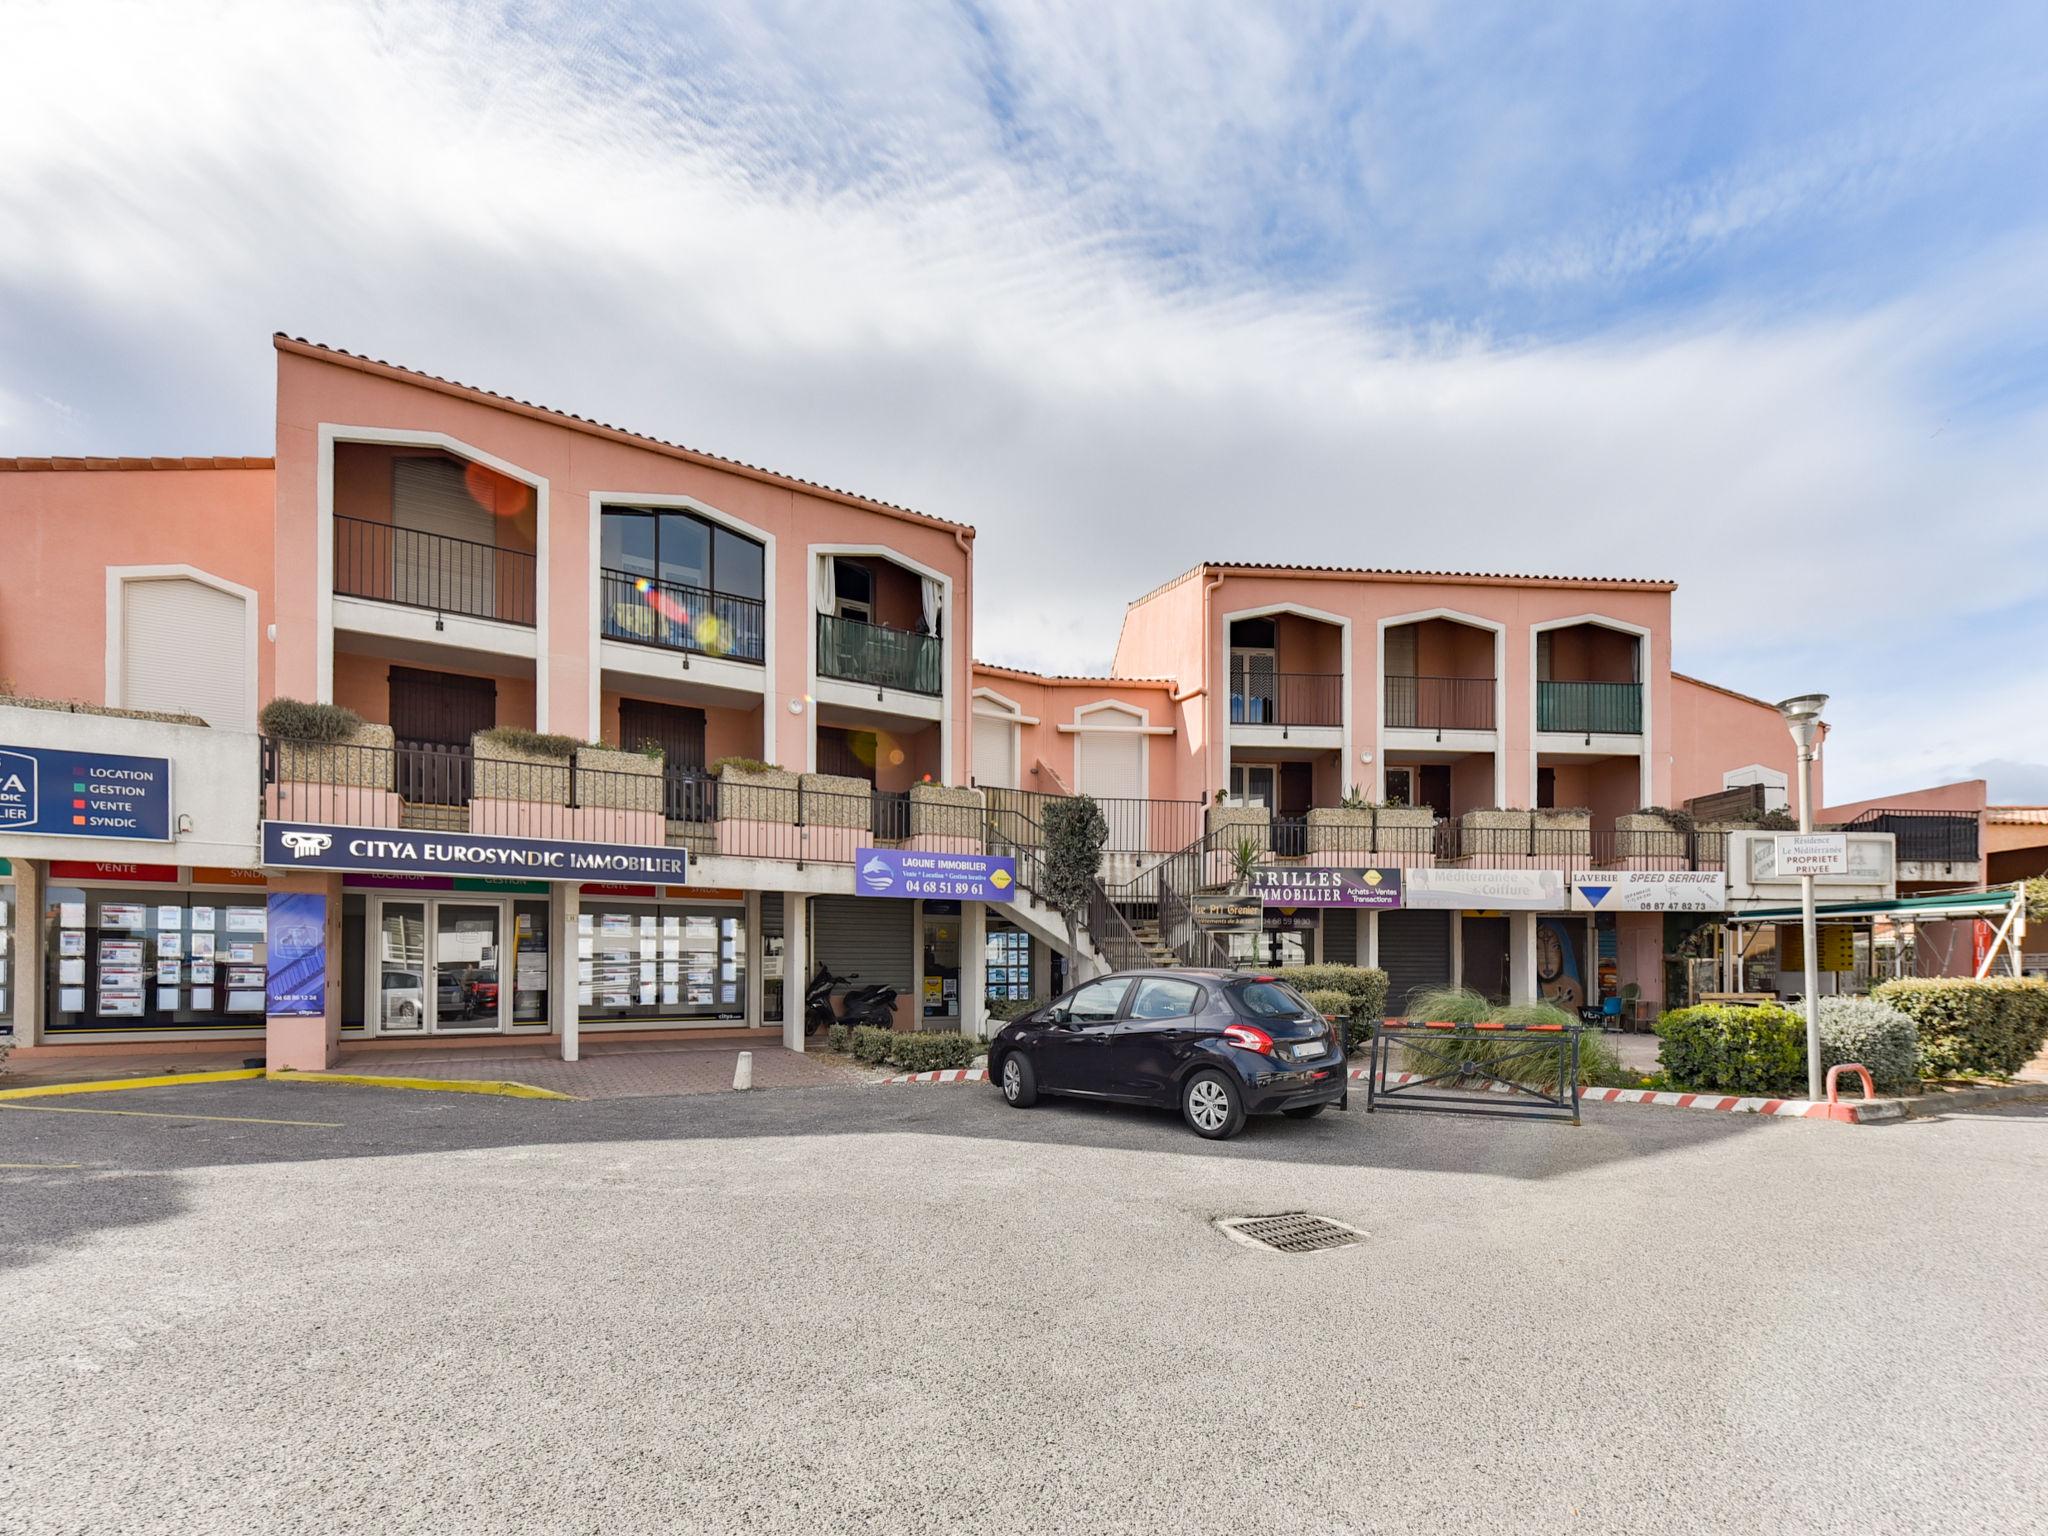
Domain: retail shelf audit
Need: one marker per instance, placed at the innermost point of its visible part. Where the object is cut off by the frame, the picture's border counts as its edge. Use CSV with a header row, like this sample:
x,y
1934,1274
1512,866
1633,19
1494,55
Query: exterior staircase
x,y
1156,951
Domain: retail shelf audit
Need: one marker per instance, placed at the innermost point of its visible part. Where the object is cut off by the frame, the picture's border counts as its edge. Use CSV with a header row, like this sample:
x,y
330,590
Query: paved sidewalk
x,y
607,1072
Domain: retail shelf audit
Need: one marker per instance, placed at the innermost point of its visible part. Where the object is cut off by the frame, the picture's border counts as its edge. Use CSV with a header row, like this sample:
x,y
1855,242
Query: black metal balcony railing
x,y
880,656
1016,816
1440,703
1924,837
1285,698
432,570
1614,709
676,617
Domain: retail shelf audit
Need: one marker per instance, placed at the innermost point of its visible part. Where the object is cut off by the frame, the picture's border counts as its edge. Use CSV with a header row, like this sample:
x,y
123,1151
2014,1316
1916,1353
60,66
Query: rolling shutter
x,y
1340,936
1415,952
865,936
994,740
1110,764
185,648
431,496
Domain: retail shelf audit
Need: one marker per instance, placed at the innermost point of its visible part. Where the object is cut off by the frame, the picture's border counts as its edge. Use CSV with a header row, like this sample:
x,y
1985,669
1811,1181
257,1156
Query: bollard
x,y
743,1071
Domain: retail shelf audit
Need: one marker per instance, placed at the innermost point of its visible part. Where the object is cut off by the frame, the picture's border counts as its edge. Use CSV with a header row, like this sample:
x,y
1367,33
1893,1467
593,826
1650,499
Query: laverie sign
x,y
391,851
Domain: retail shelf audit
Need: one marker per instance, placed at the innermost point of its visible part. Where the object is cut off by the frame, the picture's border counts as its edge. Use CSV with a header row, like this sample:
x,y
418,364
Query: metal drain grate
x,y
1290,1232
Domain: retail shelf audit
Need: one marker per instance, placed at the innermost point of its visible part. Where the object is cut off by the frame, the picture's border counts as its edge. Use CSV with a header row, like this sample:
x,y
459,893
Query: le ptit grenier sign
x,y
387,851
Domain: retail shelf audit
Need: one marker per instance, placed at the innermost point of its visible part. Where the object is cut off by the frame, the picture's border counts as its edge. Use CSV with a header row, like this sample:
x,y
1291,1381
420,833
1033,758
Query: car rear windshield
x,y
1266,1000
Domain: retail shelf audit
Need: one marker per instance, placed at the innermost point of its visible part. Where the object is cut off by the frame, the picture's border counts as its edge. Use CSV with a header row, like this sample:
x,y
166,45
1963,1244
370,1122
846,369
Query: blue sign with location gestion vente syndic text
x,y
56,793
905,872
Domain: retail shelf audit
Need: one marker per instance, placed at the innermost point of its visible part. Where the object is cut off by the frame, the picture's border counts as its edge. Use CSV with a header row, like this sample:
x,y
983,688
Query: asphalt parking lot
x,y
911,1309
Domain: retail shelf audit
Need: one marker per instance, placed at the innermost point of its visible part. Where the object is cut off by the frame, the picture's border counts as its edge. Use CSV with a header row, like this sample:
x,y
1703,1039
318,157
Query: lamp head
x,y
1802,717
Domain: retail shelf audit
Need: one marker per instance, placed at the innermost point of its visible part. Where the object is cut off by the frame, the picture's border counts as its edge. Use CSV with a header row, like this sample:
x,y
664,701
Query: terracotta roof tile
x,y
30,466
1395,573
300,345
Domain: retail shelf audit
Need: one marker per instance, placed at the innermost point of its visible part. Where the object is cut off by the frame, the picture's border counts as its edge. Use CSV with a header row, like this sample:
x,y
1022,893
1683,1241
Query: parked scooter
x,y
859,1005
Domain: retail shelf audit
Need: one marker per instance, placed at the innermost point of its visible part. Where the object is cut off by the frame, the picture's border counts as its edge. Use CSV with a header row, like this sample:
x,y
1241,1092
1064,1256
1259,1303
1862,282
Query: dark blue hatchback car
x,y
1217,1045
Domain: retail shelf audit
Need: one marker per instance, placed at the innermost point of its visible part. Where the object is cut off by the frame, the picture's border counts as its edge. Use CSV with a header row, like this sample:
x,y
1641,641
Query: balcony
x,y
1440,703
880,657
643,611
1590,709
414,569
1260,697
1924,837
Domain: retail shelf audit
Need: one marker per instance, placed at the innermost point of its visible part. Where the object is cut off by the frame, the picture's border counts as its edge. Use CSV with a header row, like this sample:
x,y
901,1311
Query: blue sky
x,y
1747,295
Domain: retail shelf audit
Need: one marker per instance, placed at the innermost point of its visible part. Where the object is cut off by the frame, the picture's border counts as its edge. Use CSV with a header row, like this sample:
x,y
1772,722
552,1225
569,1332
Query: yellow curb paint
x,y
117,1084
507,1090
164,1114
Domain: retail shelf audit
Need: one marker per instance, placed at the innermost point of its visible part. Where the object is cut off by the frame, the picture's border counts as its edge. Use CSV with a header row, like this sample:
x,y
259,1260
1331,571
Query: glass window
x,y
1165,998
737,567
852,582
628,543
661,962
1098,1002
684,546
155,958
1267,1000
1008,955
7,977
529,962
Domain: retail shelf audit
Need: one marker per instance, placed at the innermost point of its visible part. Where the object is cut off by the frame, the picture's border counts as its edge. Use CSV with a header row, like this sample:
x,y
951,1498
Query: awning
x,y
1948,904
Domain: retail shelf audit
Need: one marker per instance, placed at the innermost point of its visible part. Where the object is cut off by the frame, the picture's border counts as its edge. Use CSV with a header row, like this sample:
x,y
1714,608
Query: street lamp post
x,y
1802,718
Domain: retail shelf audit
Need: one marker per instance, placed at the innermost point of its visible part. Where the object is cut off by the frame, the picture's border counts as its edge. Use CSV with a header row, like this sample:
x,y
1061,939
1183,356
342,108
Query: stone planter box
x,y
618,797
1516,839
517,794
1404,835
1336,830
838,817
1649,838
757,813
353,782
945,819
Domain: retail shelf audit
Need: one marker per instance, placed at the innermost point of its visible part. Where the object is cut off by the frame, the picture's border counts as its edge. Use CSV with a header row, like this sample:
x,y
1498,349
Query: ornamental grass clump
x,y
1517,1058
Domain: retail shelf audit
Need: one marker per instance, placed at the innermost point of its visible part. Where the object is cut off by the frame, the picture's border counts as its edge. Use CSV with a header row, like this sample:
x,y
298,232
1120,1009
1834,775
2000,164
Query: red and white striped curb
x,y
1854,1111
944,1075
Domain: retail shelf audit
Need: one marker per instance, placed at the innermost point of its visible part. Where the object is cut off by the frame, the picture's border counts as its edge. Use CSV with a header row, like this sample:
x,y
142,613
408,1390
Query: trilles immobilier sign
x,y
393,851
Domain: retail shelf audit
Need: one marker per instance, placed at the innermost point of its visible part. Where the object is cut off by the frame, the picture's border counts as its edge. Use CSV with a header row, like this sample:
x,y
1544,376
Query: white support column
x,y
1369,938
1521,957
25,960
796,966
754,953
974,969
565,995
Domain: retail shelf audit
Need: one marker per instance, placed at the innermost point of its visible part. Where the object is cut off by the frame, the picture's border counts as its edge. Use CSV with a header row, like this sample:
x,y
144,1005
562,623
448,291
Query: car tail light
x,y
1249,1037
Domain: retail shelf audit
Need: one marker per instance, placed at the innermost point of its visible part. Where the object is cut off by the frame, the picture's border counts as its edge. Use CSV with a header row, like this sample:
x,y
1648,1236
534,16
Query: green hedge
x,y
839,1037
1971,1028
1364,988
1873,1035
919,1051
1004,1009
1716,1046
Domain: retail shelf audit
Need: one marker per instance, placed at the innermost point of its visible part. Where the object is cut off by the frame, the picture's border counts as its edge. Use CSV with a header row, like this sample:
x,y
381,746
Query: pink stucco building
x,y
740,688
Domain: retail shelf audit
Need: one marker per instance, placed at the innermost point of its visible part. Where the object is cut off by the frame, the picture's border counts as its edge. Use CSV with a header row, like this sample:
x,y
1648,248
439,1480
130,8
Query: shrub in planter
x,y
839,1037
934,1051
1873,1034
1969,1028
1509,1058
1367,985
294,720
1735,1050
1004,1009
872,1045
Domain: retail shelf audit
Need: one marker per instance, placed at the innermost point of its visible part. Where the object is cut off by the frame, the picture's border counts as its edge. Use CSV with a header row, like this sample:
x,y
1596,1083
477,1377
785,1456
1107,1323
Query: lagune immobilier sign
x,y
396,851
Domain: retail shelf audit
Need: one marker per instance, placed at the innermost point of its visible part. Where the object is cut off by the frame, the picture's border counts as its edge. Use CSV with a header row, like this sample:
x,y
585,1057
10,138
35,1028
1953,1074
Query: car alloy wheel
x,y
1208,1105
1013,1079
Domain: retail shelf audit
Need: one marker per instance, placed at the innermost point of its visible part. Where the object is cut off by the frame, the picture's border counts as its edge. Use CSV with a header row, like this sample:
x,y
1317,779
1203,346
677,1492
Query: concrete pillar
x,y
25,955
796,966
974,969
753,957
565,971
1369,938
1522,957
311,1044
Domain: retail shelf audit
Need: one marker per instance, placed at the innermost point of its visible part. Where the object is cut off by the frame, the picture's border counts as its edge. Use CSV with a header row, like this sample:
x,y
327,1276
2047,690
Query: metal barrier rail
x,y
416,569
1456,1055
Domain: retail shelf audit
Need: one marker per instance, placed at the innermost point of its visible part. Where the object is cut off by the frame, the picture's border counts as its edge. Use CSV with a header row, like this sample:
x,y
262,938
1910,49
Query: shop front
x,y
423,957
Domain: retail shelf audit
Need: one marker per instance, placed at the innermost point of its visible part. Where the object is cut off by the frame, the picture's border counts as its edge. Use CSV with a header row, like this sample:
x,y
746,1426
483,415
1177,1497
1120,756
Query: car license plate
x,y
1312,1048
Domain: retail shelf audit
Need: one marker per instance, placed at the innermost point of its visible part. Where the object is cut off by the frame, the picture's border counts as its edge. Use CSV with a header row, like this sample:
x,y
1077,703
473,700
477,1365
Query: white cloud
x,y
821,249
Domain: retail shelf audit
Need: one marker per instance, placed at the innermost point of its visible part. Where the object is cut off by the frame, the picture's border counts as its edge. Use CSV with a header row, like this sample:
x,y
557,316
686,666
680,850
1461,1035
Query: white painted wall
x,y
214,781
